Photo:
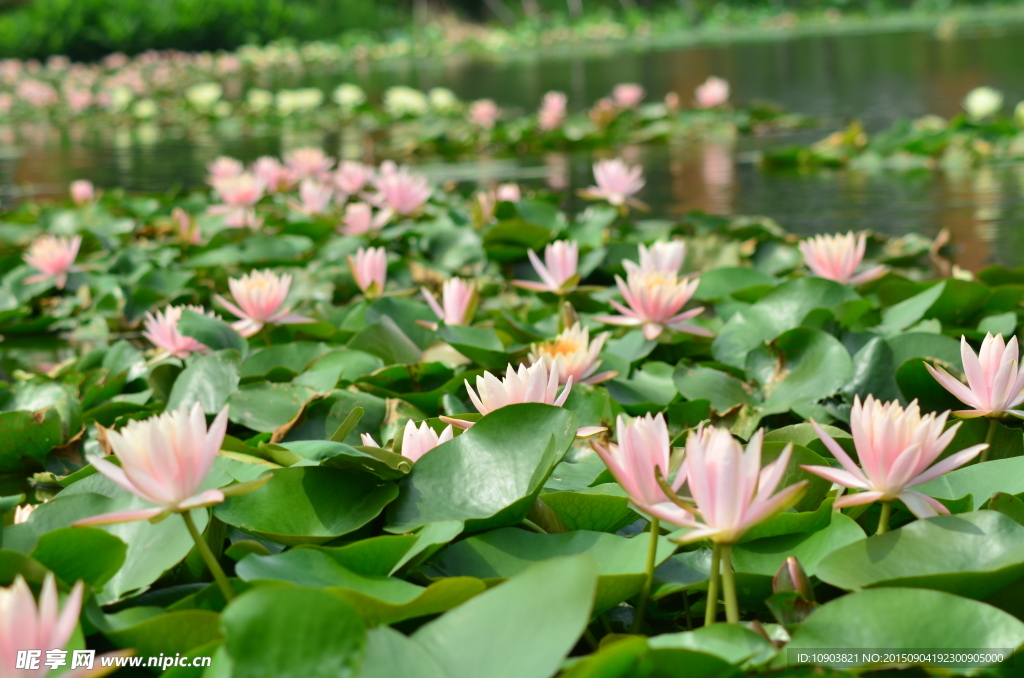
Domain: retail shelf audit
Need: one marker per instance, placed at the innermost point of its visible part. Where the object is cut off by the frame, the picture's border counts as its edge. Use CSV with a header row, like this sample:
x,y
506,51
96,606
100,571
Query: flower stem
x,y
209,558
530,525
732,603
686,608
989,436
645,592
883,520
712,606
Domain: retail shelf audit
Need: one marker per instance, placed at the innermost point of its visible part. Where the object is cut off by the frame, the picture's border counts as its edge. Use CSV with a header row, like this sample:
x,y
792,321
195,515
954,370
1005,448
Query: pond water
x,y
877,78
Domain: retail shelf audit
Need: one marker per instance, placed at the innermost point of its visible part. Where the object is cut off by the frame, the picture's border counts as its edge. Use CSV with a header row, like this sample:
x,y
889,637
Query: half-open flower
x,y
370,269
995,382
26,625
401,191
458,302
712,92
484,113
224,167
360,220
352,177
162,331
731,492
897,449
308,163
416,441
574,355
239,193
259,298
552,111
53,257
315,197
642,454
617,183
82,191
655,301
164,460
558,271
664,257
536,384
836,257
628,94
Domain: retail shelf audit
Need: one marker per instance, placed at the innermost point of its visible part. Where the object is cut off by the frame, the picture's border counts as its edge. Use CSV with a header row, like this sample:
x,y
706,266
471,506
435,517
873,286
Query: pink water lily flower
x,y
224,168
162,332
417,441
995,381
352,177
165,460
25,625
53,257
617,182
552,111
188,229
628,95
458,302
370,269
23,513
401,191
663,257
82,191
314,197
275,176
360,220
655,300
574,355
484,113
712,93
508,193
731,492
897,449
239,193
308,163
644,451
836,257
259,298
558,271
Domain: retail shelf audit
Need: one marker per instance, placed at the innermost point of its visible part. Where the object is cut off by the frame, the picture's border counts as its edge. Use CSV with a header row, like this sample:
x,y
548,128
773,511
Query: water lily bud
x,y
981,102
791,577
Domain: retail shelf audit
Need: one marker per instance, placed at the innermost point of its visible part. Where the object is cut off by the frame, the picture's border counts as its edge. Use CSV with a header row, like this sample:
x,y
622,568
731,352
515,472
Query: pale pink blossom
x,y
617,182
655,301
895,447
663,257
401,191
25,625
836,257
162,332
188,229
731,492
352,177
416,442
239,193
165,461
484,113
508,193
552,111
628,95
82,191
370,269
672,102
458,302
314,198
712,93
78,100
574,355
37,94
308,163
642,453
272,173
359,219
53,257
536,384
22,513
224,168
995,381
259,298
558,271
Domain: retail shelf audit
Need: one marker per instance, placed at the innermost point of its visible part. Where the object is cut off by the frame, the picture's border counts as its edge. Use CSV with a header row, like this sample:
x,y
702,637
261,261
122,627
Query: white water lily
x,y
982,102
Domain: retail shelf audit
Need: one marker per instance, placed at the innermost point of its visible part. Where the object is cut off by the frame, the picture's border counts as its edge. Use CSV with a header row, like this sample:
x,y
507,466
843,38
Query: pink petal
x,y
120,517
457,423
953,461
858,498
922,505
588,431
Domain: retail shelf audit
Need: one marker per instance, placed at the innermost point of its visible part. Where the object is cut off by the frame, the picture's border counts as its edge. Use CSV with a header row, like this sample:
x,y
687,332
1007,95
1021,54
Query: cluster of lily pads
x,y
979,136
332,420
